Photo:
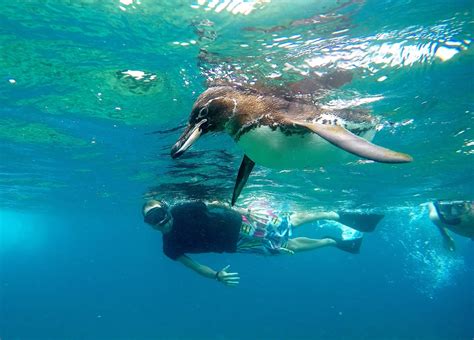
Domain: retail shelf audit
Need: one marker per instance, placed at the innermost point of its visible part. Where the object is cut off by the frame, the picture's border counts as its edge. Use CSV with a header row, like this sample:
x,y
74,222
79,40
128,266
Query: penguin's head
x,y
210,113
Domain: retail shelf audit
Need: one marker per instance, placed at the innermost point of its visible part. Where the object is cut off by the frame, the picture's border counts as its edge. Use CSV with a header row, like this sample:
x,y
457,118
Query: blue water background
x,y
104,276
76,260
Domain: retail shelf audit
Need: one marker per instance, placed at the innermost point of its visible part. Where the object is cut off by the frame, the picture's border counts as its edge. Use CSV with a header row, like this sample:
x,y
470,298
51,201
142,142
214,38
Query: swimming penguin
x,y
282,133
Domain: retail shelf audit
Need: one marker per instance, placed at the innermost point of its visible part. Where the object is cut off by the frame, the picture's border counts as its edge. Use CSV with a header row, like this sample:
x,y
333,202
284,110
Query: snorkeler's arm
x,y
229,279
448,241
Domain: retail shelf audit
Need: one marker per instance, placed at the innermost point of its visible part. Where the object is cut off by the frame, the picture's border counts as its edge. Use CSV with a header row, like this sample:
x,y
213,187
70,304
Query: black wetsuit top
x,y
197,229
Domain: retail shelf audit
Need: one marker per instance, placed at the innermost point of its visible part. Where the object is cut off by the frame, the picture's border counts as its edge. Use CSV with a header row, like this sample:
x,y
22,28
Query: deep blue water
x,y
80,153
103,276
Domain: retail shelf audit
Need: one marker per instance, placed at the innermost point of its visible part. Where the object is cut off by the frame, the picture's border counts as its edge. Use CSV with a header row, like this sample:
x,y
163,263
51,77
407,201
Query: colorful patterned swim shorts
x,y
264,232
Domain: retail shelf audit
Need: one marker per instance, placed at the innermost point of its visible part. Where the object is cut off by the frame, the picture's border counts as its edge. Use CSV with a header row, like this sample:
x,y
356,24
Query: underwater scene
x,y
236,169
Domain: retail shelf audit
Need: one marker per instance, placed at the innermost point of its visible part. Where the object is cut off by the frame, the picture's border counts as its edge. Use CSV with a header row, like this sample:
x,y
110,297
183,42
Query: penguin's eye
x,y
202,113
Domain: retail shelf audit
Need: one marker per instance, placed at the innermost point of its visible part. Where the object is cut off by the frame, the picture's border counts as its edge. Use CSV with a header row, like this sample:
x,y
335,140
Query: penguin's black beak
x,y
187,138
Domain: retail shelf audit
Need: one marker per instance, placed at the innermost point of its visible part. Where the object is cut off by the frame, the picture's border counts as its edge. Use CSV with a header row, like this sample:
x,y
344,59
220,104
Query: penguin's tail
x,y
360,221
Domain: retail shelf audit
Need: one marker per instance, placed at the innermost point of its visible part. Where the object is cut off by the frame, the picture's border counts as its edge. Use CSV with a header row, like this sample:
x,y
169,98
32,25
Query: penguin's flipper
x,y
346,140
244,172
358,221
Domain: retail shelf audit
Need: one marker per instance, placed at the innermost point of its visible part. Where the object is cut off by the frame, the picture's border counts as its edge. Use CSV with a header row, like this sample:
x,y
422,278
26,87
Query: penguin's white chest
x,y
274,149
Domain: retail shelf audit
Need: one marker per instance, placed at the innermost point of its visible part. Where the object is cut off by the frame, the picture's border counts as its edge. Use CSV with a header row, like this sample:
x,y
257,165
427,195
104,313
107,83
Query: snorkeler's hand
x,y
229,279
449,244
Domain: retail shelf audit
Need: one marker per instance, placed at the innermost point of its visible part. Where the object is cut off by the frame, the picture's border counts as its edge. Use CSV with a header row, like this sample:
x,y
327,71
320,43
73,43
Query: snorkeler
x,y
457,216
196,227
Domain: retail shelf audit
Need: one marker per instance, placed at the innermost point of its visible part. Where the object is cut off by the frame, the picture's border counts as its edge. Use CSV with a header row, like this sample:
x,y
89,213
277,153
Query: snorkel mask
x,y
449,212
158,215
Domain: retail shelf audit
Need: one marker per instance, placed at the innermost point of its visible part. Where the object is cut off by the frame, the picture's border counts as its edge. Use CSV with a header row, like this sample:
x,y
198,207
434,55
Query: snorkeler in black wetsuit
x,y
196,227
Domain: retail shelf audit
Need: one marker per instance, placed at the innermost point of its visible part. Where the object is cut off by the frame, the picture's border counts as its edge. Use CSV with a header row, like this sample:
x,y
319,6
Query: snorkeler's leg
x,y
300,218
300,244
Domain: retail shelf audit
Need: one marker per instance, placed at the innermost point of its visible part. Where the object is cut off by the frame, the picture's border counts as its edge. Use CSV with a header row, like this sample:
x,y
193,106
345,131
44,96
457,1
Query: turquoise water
x,y
93,94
